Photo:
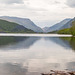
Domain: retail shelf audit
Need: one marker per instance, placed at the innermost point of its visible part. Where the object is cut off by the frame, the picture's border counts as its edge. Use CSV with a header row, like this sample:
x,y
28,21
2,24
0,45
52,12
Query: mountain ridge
x,y
23,21
68,24
57,26
11,27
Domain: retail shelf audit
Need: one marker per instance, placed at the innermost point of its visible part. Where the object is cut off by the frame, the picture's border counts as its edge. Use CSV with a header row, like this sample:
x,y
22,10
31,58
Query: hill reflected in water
x,y
66,42
34,55
10,42
70,41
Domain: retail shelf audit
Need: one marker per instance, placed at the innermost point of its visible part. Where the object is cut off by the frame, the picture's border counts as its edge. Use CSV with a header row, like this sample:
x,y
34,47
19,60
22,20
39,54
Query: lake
x,y
33,55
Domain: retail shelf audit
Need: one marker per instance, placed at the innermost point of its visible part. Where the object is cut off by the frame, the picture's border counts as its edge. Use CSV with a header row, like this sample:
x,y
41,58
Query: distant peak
x,y
68,19
13,17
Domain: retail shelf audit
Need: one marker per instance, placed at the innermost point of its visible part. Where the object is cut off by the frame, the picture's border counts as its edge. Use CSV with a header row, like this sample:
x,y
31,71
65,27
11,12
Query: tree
x,y
72,29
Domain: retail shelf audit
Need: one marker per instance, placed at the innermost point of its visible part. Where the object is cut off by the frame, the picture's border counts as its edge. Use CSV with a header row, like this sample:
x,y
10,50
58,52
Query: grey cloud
x,y
56,2
71,3
11,1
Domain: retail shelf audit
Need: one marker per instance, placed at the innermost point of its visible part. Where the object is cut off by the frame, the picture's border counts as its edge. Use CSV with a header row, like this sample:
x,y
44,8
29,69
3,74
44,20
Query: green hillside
x,y
72,29
68,30
64,31
11,27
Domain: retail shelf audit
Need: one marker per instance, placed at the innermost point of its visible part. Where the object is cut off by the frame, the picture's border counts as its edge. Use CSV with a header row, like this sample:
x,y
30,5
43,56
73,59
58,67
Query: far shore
x,y
35,35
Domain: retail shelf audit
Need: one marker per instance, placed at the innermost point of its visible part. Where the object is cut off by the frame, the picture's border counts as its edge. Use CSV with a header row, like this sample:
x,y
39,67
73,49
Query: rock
x,y
52,72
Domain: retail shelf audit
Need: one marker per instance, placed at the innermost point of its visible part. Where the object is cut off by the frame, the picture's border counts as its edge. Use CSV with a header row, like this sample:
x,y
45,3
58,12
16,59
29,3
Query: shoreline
x,y
52,72
34,35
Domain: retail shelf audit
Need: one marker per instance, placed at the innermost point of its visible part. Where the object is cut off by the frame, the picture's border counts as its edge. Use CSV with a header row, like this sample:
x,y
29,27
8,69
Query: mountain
x,y
45,29
68,24
23,21
68,28
56,26
11,27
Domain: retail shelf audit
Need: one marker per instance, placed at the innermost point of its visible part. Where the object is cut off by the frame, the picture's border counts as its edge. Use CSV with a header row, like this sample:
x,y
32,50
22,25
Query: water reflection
x,y
60,41
66,42
34,55
71,66
70,41
12,69
9,42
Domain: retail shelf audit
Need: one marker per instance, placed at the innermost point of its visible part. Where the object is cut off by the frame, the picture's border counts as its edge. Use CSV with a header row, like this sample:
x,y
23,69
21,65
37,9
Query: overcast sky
x,y
41,12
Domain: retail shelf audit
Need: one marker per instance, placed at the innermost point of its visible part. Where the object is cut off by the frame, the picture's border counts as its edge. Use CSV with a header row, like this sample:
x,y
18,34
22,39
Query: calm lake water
x,y
32,55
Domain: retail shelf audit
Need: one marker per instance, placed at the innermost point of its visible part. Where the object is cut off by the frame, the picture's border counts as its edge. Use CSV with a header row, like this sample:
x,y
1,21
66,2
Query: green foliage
x,y
64,31
7,26
72,29
11,27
